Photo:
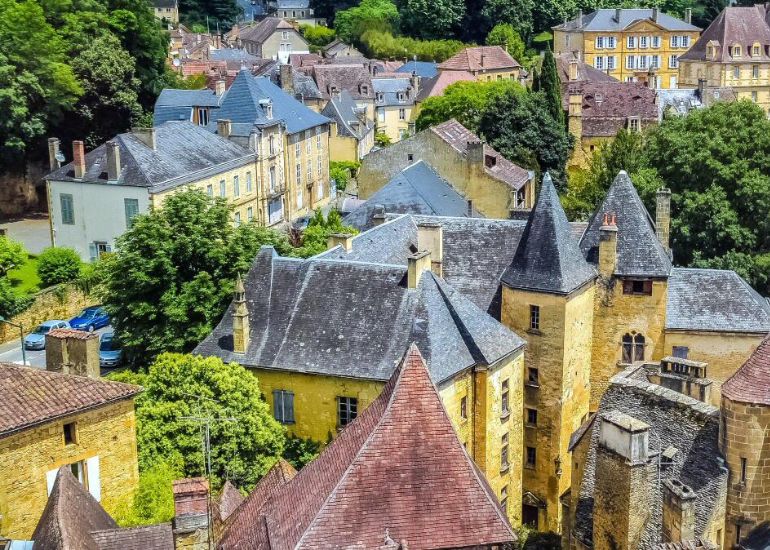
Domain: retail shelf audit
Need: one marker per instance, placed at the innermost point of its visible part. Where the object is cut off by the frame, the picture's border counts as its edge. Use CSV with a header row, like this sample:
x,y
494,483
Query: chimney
x,y
220,88
191,513
580,19
241,327
678,511
379,215
469,212
573,69
608,246
430,237
113,161
418,263
475,152
79,159
688,16
663,216
72,352
146,136
655,14
575,112
54,153
287,78
622,490
224,127
414,80
617,15
343,239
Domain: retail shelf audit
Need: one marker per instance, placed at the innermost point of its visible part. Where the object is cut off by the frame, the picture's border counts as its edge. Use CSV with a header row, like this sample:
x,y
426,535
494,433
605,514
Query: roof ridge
x,y
465,334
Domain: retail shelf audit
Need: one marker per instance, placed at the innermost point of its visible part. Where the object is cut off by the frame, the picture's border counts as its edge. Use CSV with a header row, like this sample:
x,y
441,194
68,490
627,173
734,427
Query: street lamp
x,y
21,338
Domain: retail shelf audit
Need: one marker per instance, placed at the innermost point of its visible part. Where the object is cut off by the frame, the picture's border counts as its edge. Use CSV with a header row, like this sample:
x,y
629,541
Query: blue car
x,y
110,353
36,339
90,319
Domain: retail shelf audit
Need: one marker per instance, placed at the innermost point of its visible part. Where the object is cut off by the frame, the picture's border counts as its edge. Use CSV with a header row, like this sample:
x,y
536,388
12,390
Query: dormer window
x,y
633,124
379,96
364,89
401,96
736,51
756,50
710,51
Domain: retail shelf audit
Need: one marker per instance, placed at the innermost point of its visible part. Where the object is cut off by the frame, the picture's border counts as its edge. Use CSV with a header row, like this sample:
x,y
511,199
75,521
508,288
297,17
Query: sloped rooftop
x,y
735,26
606,20
751,382
480,58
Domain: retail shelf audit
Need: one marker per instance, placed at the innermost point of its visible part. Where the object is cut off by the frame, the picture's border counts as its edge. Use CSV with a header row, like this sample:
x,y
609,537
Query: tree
x,y
173,274
503,34
317,35
57,265
517,14
245,439
316,235
222,12
12,255
153,501
431,19
379,15
384,45
464,101
550,85
342,171
299,451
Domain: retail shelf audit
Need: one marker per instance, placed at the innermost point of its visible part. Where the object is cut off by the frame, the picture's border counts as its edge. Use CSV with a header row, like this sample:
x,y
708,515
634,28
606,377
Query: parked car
x,y
110,353
90,319
36,338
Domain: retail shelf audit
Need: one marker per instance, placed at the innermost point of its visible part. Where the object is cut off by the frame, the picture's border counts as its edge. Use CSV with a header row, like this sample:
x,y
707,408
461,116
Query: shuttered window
x,y
283,406
131,207
67,209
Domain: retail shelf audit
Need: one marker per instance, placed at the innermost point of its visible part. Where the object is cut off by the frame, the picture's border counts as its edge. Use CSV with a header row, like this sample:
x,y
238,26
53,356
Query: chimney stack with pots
x,y
618,11
655,14
663,216
79,158
146,136
573,69
688,16
191,513
678,511
113,161
430,237
417,264
241,327
224,127
220,88
345,240
287,78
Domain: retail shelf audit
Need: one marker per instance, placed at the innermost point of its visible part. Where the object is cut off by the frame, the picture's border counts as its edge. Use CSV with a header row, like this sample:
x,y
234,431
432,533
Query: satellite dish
x,y
59,156
176,62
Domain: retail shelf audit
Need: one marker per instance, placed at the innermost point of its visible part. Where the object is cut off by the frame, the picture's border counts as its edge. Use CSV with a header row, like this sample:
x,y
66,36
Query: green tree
x,y
223,12
153,501
11,302
464,101
518,14
245,441
431,19
503,34
379,15
300,451
383,45
549,83
12,255
316,234
342,171
58,265
172,276
317,35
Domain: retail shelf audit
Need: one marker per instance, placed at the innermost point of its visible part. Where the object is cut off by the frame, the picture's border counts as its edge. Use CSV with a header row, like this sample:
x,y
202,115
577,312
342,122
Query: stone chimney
x,y
469,211
618,11
663,216
53,152
241,328
219,88
379,215
608,246
418,263
79,158
72,352
113,161
622,490
688,16
476,152
678,511
414,81
191,513
224,127
580,19
575,112
430,237
655,14
146,136
573,70
343,239
287,78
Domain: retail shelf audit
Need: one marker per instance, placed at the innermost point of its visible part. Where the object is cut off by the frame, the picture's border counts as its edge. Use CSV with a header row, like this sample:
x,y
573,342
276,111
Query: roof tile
x,y
751,382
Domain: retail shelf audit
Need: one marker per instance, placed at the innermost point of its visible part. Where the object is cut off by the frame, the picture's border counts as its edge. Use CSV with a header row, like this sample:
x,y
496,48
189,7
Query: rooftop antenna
x,y
208,31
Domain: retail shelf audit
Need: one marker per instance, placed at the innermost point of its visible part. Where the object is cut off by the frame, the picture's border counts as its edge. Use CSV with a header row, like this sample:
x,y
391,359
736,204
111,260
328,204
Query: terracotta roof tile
x,y
607,106
437,84
32,396
63,333
751,382
149,537
480,58
229,500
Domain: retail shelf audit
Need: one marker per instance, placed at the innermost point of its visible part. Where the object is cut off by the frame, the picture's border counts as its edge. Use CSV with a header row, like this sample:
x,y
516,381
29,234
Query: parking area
x,y
10,352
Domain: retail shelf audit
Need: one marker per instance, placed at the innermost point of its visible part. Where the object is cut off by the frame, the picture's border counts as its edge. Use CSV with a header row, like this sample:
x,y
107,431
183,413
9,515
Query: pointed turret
x,y
240,318
548,258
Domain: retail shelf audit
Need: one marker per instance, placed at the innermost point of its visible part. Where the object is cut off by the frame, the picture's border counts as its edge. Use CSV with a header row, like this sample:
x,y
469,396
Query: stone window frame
x,y
632,347
70,433
505,463
283,406
534,317
347,410
531,419
530,457
505,408
533,377
464,407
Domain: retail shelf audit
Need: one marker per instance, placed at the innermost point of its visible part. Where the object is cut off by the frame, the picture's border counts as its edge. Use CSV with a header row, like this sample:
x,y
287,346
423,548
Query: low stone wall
x,y
58,302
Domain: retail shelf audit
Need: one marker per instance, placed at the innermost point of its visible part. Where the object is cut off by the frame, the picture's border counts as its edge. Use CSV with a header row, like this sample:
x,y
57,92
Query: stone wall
x,y
20,193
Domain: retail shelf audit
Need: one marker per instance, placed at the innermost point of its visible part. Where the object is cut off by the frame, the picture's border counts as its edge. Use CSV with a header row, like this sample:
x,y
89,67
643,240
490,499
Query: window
x,y
210,190
673,62
79,471
531,417
736,51
639,287
642,61
320,190
504,453
70,434
755,50
685,40
308,142
531,457
271,144
655,61
532,376
504,400
599,41
67,209
248,182
299,173
633,348
131,208
320,167
736,72
642,41
610,62
203,116
222,188
710,51
285,35
630,62
347,410
464,406
529,515
318,137
743,470
275,210
272,179
299,197
98,248
754,96
633,124
656,41
249,213
611,43
237,219
283,406
504,499
755,71
680,351
675,41
298,148
631,42
380,115
309,171
599,62
402,114
236,186
534,317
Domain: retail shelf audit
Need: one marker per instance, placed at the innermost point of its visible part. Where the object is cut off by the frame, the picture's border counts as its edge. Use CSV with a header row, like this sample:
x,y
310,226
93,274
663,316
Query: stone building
x,y
394,105
485,63
166,10
353,137
497,187
270,38
396,477
77,423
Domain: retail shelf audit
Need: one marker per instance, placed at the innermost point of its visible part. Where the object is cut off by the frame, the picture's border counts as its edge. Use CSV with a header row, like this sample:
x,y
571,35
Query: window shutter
x,y
50,478
278,405
289,406
93,252
628,287
648,287
94,478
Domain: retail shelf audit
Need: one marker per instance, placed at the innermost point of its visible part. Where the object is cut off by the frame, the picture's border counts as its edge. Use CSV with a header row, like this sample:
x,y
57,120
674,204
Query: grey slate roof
x,y
389,88
735,25
232,54
353,319
417,189
303,84
714,300
423,69
640,254
264,29
344,111
346,75
174,105
184,152
605,20
547,258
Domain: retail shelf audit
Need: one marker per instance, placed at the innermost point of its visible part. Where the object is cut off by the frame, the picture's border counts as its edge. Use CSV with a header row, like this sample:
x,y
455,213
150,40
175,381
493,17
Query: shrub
x,y
12,255
316,35
58,265
11,303
382,139
300,451
342,171
383,45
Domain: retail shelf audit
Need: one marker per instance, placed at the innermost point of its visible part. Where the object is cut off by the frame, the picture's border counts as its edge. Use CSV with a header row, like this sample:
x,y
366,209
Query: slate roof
x,y
293,4
154,537
69,517
547,258
417,189
175,105
232,54
682,100
605,20
480,58
423,69
386,91
697,544
735,25
344,111
758,538
337,46
458,136
303,84
607,106
436,85
714,300
675,420
33,396
751,382
264,29
368,315
640,254
353,77
396,473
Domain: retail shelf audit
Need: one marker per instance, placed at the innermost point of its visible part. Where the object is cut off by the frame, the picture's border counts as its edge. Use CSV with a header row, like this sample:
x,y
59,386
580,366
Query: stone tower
x,y
548,295
745,443
240,318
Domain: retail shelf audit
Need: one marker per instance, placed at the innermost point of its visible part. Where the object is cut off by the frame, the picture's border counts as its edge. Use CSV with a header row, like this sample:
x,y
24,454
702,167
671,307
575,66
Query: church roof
x,y
547,258
396,475
640,253
751,382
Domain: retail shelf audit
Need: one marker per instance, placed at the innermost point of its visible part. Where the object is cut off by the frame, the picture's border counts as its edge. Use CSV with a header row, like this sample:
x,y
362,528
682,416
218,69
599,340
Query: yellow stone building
x,y
734,51
486,63
393,105
80,422
632,45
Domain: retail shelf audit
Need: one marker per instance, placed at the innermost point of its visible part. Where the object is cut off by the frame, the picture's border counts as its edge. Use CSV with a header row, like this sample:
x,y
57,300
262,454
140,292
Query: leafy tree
x,y
317,35
550,85
382,139
299,451
316,235
12,255
517,14
246,441
380,15
174,270
58,265
464,101
503,34
383,45
11,303
431,18
153,501
342,171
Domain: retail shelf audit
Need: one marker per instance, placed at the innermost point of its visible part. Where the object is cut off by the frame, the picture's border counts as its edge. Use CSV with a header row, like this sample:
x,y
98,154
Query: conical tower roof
x,y
751,382
548,258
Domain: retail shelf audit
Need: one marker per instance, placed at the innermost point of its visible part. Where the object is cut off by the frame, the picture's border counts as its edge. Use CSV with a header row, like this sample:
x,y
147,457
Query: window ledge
x,y
529,466
505,416
533,426
534,331
532,385
505,469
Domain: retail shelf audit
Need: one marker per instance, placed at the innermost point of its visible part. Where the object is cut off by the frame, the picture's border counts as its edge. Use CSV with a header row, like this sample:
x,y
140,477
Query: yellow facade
x,y
395,121
108,433
489,75
749,80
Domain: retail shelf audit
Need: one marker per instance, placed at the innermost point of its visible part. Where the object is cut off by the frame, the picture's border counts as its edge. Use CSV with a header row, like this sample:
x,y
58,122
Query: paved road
x,y
10,352
33,233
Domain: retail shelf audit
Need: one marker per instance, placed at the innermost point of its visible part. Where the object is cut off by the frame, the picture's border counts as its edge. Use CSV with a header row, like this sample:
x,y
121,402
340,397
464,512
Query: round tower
x,y
745,443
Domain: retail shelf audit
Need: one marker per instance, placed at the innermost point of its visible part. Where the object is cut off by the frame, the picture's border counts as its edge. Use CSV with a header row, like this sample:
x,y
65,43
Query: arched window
x,y
633,347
